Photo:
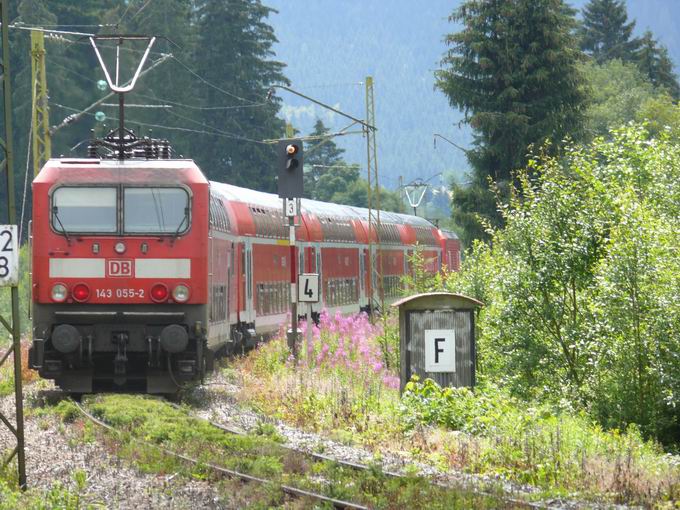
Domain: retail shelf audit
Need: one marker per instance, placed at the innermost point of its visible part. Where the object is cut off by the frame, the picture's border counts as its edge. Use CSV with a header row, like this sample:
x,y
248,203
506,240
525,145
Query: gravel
x,y
54,453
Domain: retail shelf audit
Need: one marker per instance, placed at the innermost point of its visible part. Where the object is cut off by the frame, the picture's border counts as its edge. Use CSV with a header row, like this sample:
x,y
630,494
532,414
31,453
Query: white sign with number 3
x,y
9,256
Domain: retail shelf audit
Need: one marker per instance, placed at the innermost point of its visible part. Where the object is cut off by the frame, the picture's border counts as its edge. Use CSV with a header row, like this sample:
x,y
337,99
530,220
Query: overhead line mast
x,y
42,142
375,268
14,328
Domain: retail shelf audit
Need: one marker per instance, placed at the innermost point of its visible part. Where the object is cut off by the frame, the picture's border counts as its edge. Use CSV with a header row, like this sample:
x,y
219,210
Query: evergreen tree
x,y
234,52
512,70
606,33
654,62
321,155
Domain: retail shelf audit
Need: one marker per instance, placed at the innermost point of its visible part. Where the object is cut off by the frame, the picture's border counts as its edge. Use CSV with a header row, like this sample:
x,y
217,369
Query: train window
x,y
155,210
84,209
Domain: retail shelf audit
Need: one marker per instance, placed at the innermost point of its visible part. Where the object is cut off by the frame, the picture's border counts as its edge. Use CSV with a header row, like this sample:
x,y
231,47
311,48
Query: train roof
x,y
95,170
315,207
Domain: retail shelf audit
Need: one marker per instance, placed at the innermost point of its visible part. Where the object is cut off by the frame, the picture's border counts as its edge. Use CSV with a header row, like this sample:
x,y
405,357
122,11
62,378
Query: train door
x,y
230,274
318,269
362,279
250,313
211,276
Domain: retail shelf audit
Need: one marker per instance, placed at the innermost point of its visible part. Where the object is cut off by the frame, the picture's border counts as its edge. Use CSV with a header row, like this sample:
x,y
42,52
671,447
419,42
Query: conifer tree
x,y
512,70
321,155
234,53
654,62
606,33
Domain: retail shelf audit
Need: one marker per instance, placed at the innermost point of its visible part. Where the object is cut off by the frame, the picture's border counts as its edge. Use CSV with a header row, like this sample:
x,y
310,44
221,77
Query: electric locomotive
x,y
119,272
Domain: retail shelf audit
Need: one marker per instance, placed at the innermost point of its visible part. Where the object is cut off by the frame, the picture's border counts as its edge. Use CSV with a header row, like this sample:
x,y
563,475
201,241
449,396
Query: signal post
x,y
290,184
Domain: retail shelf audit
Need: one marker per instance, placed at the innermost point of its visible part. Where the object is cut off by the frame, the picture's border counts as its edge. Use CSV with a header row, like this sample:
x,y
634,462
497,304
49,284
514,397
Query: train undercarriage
x,y
99,348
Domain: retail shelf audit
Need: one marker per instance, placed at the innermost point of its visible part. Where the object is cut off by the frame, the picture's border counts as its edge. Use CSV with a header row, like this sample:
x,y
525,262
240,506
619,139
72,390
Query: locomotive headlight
x,y
59,292
119,247
180,293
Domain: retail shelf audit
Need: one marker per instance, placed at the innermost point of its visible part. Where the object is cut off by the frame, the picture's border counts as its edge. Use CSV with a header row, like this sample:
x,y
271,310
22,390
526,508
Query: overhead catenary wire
x,y
210,84
172,128
202,108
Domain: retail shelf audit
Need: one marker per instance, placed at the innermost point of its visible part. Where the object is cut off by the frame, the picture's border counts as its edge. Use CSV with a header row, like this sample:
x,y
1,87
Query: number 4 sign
x,y
9,256
308,288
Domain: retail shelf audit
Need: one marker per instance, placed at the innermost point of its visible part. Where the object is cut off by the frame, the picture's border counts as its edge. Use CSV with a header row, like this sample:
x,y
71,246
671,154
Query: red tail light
x,y
81,292
159,292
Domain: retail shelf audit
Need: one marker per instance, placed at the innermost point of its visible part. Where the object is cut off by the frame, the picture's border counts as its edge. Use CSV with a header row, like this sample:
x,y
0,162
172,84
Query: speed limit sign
x,y
9,256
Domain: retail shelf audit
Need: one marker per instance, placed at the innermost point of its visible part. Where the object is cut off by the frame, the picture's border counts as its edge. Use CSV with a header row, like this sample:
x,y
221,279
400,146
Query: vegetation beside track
x,y
148,423
341,387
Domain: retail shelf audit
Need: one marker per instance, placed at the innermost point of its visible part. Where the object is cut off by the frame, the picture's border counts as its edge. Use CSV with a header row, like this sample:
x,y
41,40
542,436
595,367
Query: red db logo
x,y
119,267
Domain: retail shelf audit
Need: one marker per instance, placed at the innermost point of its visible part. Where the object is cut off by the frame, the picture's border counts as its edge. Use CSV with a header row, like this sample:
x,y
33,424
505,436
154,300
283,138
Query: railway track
x,y
514,502
221,471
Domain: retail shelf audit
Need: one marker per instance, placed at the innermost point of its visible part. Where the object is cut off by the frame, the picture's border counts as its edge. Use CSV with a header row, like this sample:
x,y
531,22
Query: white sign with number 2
x,y
9,256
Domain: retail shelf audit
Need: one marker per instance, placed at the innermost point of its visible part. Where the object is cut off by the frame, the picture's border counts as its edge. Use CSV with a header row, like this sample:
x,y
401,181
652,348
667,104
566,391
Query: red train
x,y
143,270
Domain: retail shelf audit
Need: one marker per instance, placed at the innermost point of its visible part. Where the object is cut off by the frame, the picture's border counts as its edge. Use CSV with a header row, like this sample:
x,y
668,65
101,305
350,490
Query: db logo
x,y
119,267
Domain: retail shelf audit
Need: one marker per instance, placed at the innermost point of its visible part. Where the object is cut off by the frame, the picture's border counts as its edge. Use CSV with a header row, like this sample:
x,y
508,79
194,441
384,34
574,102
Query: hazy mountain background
x,y
329,47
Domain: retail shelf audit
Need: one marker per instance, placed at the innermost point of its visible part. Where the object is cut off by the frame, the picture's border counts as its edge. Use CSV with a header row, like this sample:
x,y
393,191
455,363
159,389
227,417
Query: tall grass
x,y
346,378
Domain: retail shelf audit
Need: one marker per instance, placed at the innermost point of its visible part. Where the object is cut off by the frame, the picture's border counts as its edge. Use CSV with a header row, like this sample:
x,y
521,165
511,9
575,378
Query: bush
x,y
581,285
541,444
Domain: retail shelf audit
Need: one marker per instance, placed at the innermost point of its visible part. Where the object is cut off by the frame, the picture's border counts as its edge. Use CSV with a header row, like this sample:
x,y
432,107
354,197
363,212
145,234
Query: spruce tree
x,y
512,70
654,62
321,156
234,53
606,33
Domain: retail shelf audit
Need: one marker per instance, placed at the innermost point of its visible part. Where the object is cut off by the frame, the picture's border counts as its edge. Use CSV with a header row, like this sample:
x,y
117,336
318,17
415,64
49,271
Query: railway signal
x,y
290,162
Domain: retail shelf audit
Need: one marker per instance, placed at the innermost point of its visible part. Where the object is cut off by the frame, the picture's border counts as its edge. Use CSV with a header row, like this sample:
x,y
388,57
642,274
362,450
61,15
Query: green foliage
x,y
57,497
616,93
512,70
580,285
605,33
322,154
654,61
544,445
341,184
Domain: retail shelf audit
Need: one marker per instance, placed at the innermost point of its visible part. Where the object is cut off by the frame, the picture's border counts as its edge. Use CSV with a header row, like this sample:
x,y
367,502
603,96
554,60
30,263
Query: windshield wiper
x,y
55,212
179,227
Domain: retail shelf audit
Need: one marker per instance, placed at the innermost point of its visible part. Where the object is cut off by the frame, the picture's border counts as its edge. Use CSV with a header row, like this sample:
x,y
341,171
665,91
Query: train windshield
x,y
155,211
84,209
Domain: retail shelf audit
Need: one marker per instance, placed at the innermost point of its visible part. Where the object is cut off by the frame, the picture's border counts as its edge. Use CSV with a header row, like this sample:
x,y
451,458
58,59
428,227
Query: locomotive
x,y
143,270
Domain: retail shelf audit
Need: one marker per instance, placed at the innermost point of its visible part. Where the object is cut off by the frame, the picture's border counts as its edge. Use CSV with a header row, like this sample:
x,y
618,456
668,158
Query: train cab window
x,y
155,210
84,209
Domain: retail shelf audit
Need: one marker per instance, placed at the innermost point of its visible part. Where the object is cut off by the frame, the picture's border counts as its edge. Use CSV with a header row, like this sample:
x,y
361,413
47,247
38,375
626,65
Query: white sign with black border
x,y
9,256
440,350
291,207
308,288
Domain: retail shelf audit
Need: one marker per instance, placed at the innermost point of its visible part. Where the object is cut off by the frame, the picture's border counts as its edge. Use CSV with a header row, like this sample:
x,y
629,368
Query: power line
x,y
140,9
203,108
210,84
130,2
172,128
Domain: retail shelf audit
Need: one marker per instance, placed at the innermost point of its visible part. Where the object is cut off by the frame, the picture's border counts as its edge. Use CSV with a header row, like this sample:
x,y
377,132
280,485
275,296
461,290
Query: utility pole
x,y
9,256
42,144
375,269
